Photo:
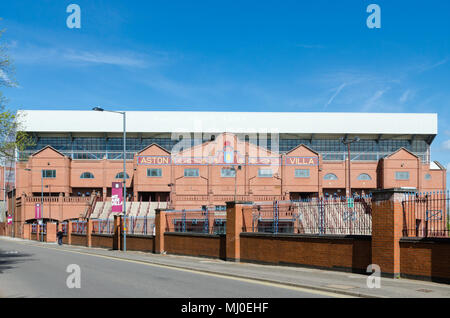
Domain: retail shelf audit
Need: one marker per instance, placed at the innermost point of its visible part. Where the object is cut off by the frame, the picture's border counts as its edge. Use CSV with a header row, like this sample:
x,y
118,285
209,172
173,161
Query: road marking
x,y
224,276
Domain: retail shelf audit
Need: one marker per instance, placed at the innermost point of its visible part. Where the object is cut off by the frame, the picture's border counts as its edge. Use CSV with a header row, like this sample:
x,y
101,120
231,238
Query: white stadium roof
x,y
58,121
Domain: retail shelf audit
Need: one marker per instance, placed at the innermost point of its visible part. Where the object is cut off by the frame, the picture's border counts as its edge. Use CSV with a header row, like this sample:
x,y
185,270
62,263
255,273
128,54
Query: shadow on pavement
x,y
8,258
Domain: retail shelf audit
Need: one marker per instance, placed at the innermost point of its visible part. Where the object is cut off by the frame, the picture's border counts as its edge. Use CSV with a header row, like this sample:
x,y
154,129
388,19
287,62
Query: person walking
x,y
60,235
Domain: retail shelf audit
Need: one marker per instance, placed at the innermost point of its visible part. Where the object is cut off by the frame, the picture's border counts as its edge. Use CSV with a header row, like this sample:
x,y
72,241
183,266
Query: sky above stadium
x,y
315,56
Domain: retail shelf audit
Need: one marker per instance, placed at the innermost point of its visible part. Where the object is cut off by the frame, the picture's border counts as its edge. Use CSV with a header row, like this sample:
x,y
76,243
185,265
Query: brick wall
x,y
346,253
204,245
140,243
101,240
79,239
425,259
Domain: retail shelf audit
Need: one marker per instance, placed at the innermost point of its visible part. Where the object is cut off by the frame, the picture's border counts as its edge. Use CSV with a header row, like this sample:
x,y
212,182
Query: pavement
x,y
185,276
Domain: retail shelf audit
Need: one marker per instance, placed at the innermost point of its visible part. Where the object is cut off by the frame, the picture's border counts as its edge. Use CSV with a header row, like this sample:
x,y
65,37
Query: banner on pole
x,y
37,211
117,197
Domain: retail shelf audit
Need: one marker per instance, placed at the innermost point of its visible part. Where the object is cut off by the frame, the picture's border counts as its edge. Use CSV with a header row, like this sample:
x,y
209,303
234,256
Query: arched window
x,y
364,176
330,176
87,175
428,176
120,175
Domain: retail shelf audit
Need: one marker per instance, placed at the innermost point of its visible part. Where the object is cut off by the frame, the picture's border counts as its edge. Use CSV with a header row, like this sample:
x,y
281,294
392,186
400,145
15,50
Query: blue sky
x,y
233,56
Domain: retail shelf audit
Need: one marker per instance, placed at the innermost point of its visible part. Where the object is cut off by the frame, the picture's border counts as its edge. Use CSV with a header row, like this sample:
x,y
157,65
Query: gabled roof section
x,y
436,165
299,148
402,149
45,149
153,145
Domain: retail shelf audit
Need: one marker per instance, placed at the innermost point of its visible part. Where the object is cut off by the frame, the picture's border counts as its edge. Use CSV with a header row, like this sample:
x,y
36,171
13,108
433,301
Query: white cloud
x,y
371,102
335,94
31,54
405,96
123,59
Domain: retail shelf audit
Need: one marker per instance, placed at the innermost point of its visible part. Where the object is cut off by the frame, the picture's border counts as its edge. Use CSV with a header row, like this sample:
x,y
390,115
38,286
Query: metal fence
x,y
103,226
79,227
426,214
64,227
196,221
341,215
140,225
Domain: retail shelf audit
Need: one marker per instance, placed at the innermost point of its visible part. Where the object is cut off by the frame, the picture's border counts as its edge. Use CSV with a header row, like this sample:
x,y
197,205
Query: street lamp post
x,y
347,143
99,109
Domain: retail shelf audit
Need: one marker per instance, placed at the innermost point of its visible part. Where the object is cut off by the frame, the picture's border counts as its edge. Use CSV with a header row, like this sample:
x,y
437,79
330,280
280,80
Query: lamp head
x,y
98,109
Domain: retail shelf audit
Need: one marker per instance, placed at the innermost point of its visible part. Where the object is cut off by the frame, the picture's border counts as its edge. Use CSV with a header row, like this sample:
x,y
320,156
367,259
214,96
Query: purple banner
x,y
37,211
117,197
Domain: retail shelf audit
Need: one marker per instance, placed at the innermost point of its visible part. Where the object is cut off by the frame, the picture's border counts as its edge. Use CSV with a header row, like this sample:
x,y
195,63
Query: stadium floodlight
x,y
99,109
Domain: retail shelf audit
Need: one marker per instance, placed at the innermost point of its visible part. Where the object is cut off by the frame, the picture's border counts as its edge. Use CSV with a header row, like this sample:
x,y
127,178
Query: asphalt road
x,y
40,271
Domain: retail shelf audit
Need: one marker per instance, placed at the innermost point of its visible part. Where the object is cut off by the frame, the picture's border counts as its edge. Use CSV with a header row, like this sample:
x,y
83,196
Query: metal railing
x,y
64,227
426,214
339,216
79,227
205,221
141,225
103,226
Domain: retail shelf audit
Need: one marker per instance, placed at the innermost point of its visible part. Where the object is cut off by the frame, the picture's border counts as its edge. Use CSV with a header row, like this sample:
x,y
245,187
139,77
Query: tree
x,y
11,135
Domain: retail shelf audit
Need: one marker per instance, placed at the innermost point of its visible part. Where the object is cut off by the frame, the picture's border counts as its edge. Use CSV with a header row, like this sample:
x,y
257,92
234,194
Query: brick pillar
x,y
51,233
117,233
160,228
69,232
89,233
387,226
234,228
38,232
26,231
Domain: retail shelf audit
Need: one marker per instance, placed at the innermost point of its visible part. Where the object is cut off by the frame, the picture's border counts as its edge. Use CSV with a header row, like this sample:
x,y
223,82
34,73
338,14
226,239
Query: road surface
x,y
40,270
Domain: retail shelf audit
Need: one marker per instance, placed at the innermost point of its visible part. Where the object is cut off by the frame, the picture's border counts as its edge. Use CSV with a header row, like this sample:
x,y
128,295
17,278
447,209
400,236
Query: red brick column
x,y
234,228
69,232
51,233
89,233
26,231
160,228
38,232
387,225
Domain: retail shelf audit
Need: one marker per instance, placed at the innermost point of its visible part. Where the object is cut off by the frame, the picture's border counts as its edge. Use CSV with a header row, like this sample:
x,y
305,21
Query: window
x,y
401,175
302,173
330,176
364,176
191,173
227,172
87,175
264,173
49,173
220,207
154,172
428,176
120,175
